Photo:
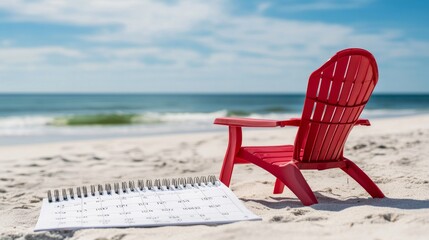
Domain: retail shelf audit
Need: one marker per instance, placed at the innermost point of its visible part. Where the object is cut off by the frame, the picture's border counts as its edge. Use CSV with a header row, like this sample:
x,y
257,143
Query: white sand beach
x,y
394,152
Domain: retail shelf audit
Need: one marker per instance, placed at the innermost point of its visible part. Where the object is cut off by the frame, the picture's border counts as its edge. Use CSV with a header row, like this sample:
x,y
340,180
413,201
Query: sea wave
x,y
109,119
24,121
384,113
100,119
153,118
158,118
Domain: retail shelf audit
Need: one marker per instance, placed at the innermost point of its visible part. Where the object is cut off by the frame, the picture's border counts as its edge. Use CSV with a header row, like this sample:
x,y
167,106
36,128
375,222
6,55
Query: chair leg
x,y
278,187
226,172
360,176
234,144
292,177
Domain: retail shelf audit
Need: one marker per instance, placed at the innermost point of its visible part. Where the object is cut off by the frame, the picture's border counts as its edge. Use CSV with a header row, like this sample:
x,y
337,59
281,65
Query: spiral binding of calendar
x,y
130,186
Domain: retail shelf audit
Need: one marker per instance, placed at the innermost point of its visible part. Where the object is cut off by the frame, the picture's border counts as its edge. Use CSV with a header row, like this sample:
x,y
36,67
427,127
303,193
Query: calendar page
x,y
147,207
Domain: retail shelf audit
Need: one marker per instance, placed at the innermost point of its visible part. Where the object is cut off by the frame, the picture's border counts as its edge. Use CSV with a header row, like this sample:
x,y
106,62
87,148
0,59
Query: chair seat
x,y
272,155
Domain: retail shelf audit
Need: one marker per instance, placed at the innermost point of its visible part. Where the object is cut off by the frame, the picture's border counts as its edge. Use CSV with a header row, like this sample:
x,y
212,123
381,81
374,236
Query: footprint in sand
x,y
36,199
299,212
383,217
382,180
46,158
403,162
162,165
18,195
96,158
281,219
413,143
136,156
359,146
137,160
312,219
15,185
57,235
34,165
188,171
25,206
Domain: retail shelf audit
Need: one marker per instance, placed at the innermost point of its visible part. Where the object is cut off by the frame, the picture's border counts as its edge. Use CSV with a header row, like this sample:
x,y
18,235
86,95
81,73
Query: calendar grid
x,y
200,203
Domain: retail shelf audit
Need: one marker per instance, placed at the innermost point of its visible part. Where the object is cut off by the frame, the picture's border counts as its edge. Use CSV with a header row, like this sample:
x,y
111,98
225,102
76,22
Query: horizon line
x,y
191,93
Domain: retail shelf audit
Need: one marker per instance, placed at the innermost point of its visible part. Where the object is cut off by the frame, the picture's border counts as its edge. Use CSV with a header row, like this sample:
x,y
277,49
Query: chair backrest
x,y
336,95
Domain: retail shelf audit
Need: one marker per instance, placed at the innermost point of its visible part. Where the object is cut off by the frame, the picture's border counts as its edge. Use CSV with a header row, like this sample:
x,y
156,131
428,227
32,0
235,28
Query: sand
x,y
394,152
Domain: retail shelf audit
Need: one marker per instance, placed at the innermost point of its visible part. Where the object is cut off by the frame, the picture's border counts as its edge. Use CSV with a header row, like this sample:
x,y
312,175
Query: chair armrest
x,y
363,122
291,122
252,122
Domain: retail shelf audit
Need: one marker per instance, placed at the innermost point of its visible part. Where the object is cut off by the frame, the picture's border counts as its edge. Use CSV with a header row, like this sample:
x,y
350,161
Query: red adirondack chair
x,y
336,95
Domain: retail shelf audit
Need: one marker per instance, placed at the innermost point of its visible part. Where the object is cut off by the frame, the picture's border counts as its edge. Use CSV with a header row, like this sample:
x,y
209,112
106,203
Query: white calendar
x,y
164,202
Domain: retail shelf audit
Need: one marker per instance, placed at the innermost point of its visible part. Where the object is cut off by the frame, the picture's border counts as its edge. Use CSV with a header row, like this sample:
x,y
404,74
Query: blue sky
x,y
204,46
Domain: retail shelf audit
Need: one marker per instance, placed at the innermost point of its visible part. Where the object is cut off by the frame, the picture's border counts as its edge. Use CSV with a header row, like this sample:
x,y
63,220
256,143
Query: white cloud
x,y
31,57
263,6
287,39
137,20
223,45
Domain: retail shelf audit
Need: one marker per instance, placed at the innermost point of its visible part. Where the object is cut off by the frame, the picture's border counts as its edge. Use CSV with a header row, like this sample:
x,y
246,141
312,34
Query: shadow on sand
x,y
334,204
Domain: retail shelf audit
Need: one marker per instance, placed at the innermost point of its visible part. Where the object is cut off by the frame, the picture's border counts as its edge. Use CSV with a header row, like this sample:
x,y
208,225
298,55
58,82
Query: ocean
x,y
38,118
